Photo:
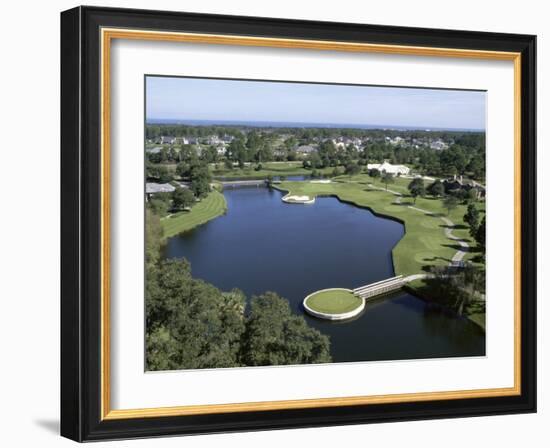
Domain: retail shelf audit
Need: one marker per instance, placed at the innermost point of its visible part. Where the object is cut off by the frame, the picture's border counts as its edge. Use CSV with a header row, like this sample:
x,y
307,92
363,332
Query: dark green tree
x,y
450,203
387,178
336,172
416,188
436,189
183,169
182,198
374,173
200,180
480,234
275,336
472,218
352,169
153,236
190,324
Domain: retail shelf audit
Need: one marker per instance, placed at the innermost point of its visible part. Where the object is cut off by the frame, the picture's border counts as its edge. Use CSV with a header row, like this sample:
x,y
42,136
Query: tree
x,y
477,167
182,198
158,173
471,195
480,234
336,172
387,178
291,143
450,203
200,180
159,205
416,188
190,324
236,151
472,218
275,336
328,154
437,189
374,173
182,169
314,160
458,290
454,160
210,154
153,235
353,169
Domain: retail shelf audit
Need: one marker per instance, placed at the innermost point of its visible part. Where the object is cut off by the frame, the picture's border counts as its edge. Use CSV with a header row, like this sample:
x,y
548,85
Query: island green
x,y
334,301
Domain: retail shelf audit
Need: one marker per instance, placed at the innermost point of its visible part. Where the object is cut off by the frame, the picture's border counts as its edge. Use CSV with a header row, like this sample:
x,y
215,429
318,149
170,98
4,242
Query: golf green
x,y
333,301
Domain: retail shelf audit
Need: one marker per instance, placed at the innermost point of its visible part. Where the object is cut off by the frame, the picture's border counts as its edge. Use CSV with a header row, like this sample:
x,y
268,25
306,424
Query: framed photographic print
x,y
274,223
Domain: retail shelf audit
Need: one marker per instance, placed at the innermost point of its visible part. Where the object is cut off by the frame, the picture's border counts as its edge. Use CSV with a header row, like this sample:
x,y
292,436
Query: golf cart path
x,y
464,246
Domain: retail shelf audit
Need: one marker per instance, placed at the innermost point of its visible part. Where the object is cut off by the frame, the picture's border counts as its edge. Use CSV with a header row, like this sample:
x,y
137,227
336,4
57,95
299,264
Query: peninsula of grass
x,y
424,243
333,301
207,209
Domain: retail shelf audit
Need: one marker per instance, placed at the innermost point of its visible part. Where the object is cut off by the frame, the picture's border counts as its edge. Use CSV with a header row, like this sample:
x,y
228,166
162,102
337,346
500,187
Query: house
x,y
396,141
305,149
457,183
439,145
279,153
154,150
339,143
152,188
213,140
386,167
167,140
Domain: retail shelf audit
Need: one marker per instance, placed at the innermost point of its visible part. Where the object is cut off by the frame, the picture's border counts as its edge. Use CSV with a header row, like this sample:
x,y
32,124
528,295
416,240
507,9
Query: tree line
x,y
465,156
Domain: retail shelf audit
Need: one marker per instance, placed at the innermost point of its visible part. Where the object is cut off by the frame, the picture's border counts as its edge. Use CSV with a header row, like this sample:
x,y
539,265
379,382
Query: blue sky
x,y
209,99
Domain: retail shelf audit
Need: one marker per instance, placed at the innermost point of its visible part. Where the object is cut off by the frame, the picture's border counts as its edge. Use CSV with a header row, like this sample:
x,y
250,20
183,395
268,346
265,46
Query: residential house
x,y
305,149
152,188
167,140
439,145
457,183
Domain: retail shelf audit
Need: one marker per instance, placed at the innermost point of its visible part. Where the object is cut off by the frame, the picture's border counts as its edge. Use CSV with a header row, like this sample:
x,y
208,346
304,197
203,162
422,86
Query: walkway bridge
x,y
244,183
372,290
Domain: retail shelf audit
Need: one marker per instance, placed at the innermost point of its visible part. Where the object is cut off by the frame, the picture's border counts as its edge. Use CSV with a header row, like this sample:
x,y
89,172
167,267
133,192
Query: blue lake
x,y
262,244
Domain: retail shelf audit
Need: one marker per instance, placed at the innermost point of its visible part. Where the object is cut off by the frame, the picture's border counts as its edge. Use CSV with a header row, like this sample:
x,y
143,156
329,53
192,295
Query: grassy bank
x,y
424,243
209,208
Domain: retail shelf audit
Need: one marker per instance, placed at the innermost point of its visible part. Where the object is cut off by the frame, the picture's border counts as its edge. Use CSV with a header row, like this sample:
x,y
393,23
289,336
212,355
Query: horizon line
x,y
305,124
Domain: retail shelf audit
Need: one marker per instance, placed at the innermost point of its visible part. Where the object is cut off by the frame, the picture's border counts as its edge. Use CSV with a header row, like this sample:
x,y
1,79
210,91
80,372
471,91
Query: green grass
x,y
209,208
424,243
335,301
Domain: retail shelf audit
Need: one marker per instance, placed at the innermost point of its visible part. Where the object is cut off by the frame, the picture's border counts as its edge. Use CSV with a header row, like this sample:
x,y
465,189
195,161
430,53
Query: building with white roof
x,y
387,167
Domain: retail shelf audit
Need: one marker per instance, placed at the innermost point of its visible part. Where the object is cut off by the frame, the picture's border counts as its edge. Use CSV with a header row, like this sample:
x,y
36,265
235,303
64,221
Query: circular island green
x,y
334,304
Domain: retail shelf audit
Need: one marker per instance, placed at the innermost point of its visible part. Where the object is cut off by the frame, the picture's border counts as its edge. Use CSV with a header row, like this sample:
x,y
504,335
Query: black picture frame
x,y
81,224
